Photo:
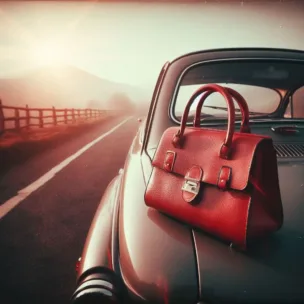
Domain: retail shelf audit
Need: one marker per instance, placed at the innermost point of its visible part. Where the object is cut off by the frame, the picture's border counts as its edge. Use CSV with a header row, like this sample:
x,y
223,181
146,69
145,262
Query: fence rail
x,y
26,117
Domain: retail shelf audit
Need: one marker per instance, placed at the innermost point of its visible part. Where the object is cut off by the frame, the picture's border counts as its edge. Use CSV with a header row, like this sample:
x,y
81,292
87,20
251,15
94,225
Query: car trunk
x,y
165,261
272,271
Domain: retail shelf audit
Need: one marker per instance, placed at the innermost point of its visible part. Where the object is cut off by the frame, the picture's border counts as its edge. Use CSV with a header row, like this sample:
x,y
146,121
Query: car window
x,y
298,103
262,83
260,100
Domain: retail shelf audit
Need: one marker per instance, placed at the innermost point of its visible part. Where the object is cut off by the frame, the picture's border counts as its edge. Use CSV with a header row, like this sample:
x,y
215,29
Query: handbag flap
x,y
201,147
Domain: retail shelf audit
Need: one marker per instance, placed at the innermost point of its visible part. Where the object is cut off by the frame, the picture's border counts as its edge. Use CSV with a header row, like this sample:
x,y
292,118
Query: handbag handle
x,y
245,128
225,148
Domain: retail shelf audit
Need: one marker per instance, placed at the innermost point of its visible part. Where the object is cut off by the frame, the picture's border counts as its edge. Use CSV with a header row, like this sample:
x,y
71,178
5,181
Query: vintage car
x,y
136,254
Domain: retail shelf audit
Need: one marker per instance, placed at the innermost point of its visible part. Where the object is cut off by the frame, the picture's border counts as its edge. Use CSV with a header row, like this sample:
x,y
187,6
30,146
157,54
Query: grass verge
x,y
17,147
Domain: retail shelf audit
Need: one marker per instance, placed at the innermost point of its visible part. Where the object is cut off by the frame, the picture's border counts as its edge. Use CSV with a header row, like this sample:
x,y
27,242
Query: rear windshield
x,y
262,84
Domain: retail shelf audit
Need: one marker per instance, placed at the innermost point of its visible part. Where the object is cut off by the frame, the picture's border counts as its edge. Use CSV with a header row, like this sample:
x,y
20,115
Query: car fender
x,y
97,250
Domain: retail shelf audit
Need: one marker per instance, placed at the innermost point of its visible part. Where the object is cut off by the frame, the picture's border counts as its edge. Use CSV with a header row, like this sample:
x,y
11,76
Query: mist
x,y
121,47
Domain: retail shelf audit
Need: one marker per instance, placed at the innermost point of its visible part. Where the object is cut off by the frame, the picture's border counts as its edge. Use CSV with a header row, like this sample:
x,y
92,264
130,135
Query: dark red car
x,y
135,254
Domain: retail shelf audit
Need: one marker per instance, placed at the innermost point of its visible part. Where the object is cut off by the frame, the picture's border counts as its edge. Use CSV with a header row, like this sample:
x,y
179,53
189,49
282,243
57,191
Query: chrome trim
x,y
155,99
191,186
121,171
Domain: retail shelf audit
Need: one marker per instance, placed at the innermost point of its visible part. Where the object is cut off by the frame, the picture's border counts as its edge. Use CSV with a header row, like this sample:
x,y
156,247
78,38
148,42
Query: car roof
x,y
244,52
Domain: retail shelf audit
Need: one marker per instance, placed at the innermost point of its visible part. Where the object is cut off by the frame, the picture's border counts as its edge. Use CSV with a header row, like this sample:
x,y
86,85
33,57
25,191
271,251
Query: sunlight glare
x,y
49,54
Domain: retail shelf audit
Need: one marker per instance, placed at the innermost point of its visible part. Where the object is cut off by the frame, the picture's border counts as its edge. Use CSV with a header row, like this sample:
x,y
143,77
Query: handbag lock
x,y
191,185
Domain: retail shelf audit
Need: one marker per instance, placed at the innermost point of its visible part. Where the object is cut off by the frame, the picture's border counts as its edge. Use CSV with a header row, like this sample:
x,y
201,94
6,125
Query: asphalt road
x,y
42,237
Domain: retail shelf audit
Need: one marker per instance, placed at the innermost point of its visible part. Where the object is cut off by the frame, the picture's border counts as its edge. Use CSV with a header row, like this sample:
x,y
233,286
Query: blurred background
x,y
107,55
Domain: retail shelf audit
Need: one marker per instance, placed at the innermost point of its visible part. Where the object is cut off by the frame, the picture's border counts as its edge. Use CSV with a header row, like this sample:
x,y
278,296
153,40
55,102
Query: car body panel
x,y
155,265
226,275
97,249
272,270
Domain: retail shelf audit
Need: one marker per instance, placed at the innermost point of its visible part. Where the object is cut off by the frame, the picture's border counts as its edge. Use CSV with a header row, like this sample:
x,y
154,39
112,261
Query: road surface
x,y
42,237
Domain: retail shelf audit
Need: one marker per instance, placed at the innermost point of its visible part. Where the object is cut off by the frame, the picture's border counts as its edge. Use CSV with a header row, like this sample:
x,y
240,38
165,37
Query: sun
x,y
49,54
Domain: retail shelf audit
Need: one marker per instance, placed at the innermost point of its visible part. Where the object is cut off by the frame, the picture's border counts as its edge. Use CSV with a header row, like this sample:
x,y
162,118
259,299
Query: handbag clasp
x,y
191,186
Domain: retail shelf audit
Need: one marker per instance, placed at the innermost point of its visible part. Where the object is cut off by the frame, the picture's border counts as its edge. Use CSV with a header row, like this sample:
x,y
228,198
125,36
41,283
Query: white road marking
x,y
25,192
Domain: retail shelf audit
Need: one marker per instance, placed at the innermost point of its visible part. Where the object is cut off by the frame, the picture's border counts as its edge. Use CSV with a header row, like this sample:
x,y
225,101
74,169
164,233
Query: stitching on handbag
x,y
262,139
225,130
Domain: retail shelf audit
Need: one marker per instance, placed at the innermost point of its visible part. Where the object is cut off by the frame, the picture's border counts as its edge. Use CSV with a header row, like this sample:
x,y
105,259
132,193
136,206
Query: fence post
x,y
17,120
40,118
27,115
90,113
65,116
54,116
78,113
2,122
73,115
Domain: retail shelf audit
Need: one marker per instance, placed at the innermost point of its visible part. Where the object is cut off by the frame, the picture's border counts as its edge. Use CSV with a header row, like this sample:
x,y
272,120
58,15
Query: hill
x,y
63,86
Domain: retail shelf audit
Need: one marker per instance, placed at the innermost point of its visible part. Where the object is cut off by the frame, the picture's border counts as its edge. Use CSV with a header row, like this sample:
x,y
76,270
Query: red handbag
x,y
221,181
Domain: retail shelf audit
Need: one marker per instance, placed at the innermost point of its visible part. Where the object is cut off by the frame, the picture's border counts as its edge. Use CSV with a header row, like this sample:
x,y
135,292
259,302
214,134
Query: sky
x,y
130,42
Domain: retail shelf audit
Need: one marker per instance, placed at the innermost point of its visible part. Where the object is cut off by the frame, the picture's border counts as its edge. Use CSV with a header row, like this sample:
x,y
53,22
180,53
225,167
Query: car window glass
x,y
298,103
261,100
262,83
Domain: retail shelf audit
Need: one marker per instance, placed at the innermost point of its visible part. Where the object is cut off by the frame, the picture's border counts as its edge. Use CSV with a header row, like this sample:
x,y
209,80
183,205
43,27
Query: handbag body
x,y
220,181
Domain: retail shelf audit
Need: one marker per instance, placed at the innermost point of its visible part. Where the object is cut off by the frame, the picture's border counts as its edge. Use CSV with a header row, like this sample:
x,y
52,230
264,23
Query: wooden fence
x,y
26,117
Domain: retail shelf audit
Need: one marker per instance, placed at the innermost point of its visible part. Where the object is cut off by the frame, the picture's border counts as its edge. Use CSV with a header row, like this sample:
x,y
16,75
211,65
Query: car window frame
x,y
154,98
279,111
290,102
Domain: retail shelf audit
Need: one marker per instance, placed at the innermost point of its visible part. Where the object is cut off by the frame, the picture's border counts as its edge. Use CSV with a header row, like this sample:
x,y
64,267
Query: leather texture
x,y
223,182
